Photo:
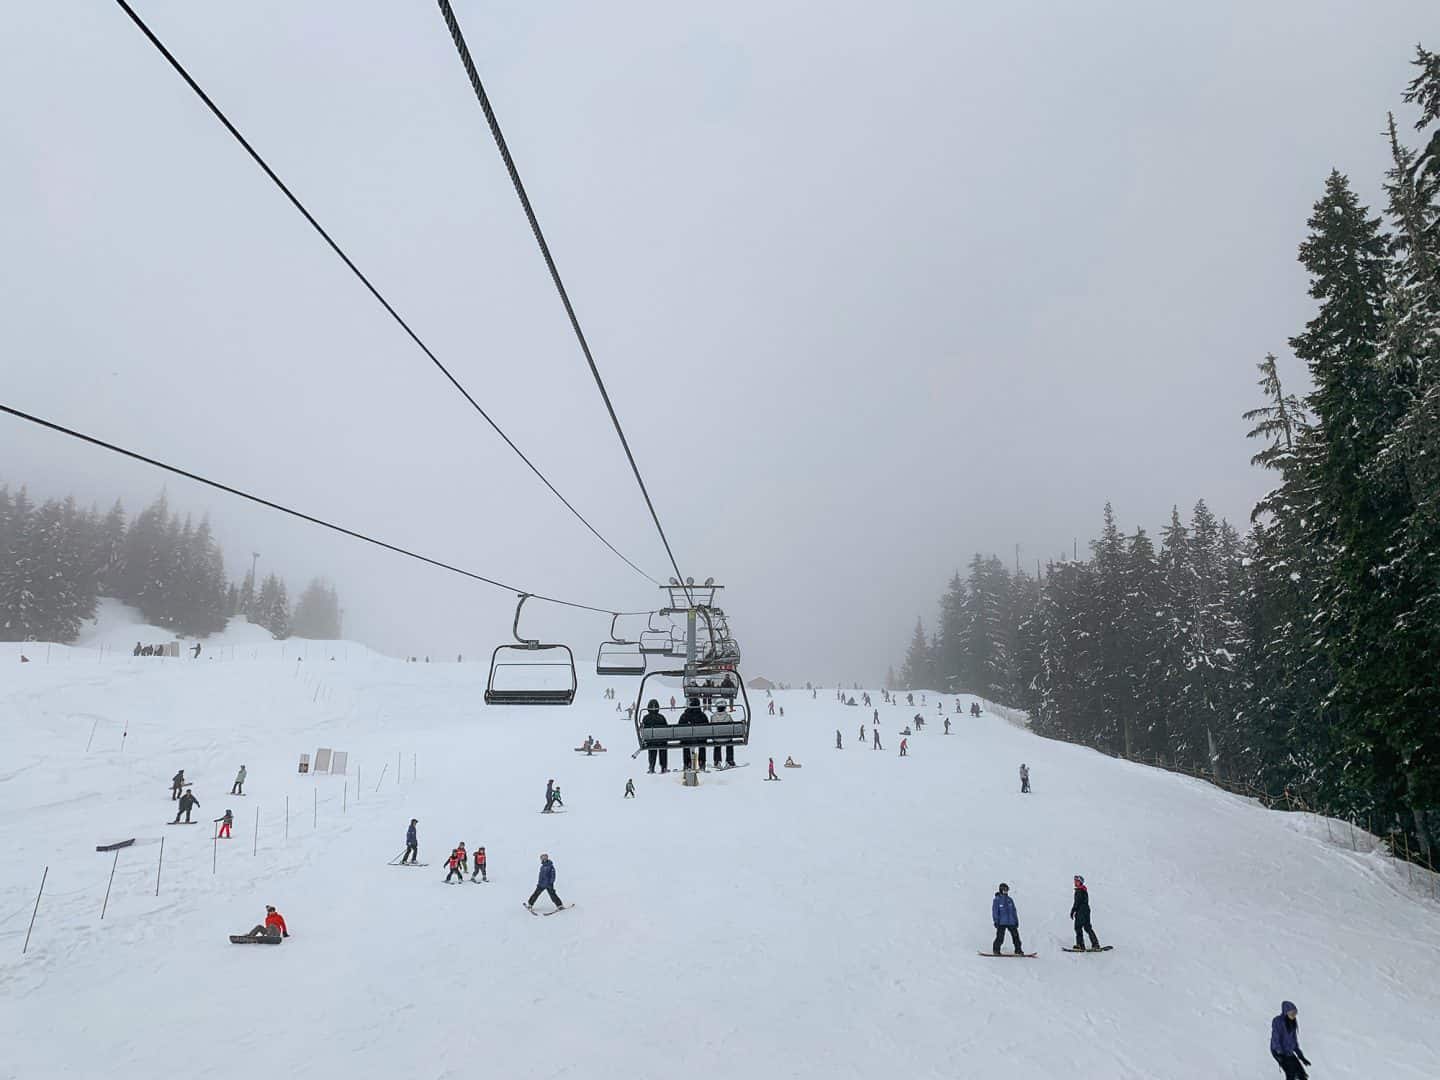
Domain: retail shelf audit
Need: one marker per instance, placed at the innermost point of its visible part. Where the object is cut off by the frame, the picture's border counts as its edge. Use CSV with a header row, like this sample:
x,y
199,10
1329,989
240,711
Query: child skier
x,y
1285,1043
225,823
480,865
453,864
947,727
1005,917
1080,912
545,884
629,789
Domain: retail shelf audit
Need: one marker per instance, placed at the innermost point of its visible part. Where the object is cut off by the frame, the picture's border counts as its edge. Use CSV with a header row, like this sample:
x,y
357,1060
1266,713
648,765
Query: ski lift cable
x,y
484,99
354,269
352,533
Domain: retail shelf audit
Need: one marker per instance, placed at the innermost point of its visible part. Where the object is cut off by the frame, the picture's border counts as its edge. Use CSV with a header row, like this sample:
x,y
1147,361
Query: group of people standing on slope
x,y
1007,919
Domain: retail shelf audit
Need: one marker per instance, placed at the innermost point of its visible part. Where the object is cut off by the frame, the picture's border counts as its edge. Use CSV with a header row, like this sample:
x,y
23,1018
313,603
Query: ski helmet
x,y
1079,879
1004,888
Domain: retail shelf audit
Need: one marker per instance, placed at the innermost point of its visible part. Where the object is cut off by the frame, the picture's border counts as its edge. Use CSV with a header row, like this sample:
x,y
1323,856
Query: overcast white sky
x,y
873,286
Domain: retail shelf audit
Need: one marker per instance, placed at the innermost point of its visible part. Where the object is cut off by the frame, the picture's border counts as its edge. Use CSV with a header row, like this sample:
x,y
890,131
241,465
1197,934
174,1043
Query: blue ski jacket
x,y
1002,911
410,835
1284,1036
547,874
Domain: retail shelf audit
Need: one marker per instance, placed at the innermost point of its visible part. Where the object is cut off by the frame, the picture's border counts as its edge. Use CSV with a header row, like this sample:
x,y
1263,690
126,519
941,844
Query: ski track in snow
x,y
823,927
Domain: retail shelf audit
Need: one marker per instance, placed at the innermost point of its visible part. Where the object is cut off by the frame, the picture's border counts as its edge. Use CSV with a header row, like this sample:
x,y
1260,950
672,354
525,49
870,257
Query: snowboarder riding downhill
x,y
187,803
1005,917
1080,912
1285,1043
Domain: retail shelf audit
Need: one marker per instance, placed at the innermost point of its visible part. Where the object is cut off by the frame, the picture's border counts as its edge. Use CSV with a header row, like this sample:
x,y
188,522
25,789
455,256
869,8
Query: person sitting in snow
x,y
1285,1043
791,763
273,926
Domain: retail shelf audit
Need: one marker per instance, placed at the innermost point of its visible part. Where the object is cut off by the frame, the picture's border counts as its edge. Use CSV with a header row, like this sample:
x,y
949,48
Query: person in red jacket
x,y
480,865
273,926
453,865
904,748
772,775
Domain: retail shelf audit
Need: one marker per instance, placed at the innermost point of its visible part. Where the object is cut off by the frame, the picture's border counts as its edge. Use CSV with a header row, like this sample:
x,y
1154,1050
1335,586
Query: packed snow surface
x,y
824,926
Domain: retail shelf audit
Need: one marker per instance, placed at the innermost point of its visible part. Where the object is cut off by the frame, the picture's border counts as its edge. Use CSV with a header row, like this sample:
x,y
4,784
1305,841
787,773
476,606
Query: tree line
x,y
1301,656
57,560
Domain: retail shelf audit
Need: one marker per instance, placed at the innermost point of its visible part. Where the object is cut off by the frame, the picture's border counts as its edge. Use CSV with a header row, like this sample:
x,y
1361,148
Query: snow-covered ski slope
x,y
825,926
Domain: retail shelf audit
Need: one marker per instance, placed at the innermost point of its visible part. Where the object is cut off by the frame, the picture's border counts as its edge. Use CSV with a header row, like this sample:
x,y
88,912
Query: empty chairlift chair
x,y
655,642
529,672
618,656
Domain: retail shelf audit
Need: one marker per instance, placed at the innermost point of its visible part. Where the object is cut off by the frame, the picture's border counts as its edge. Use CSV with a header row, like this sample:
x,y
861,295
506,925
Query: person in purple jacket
x,y
1285,1043
1005,917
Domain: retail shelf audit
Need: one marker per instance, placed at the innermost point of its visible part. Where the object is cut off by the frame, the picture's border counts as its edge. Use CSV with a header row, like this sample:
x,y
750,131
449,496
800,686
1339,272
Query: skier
x,y
910,699
862,734
225,823
1024,779
545,884
1285,1043
556,793
550,797
654,718
772,775
238,787
176,783
412,844
629,789
480,865
838,746
947,727
876,745
273,926
772,708
875,718
196,654
187,803
464,857
904,747
453,864
1080,912
1003,914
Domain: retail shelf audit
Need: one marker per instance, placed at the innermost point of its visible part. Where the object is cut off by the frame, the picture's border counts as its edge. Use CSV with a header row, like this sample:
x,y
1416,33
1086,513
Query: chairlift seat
x,y
619,658
708,734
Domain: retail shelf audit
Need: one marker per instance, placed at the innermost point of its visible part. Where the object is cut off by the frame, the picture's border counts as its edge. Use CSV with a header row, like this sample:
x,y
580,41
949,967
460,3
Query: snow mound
x,y
824,926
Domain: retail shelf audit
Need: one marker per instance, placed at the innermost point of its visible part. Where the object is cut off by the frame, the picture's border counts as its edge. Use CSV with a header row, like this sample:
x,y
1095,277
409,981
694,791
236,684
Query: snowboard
x,y
550,811
1102,948
245,939
1011,955
727,768
769,778
182,823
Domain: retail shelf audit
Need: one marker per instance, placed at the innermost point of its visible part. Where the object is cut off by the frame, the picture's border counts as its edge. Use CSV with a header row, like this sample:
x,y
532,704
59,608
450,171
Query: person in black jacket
x,y
1080,912
694,715
187,803
654,718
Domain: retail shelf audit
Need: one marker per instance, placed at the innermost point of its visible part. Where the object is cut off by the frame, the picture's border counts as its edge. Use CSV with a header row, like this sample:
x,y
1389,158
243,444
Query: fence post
x,y
345,797
382,776
357,781
123,735
92,735
315,808
255,836
397,768
1409,866
214,851
160,863
1353,845
414,767
115,862
43,876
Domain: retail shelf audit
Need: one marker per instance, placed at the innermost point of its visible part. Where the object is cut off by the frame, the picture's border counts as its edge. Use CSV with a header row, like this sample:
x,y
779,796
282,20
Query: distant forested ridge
x,y
56,560
1303,656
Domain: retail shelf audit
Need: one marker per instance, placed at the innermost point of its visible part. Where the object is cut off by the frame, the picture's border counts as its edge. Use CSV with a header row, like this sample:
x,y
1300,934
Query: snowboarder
x,y
1285,1043
772,775
904,747
1003,914
629,789
176,783
187,803
947,727
238,787
876,745
545,884
1080,912
1024,779
838,746
225,823
412,844
273,926
654,718
453,866
480,865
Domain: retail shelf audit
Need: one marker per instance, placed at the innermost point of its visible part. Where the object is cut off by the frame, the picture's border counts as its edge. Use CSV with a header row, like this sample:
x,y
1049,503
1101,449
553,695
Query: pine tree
x,y
918,670
317,614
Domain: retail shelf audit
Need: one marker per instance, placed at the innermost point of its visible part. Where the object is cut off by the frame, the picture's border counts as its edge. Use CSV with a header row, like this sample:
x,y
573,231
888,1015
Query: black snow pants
x,y
1082,925
1293,1069
663,753
412,853
235,787
1000,938
554,898
455,872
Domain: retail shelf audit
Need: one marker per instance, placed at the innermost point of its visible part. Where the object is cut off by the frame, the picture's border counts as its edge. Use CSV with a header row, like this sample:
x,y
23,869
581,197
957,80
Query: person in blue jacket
x,y
1285,1043
1004,916
412,844
545,884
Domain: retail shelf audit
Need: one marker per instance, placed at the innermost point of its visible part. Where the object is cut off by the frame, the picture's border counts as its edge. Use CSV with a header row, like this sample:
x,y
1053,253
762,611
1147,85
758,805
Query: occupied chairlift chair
x,y
618,656
733,732
528,672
